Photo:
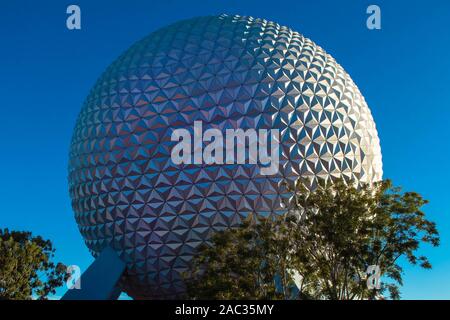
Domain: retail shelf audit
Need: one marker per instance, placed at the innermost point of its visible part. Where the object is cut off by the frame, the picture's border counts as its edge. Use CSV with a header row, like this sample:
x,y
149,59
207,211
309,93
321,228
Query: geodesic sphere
x,y
229,73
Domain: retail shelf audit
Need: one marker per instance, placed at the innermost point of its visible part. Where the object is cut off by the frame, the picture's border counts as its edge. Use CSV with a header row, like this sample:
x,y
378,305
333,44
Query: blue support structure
x,y
99,281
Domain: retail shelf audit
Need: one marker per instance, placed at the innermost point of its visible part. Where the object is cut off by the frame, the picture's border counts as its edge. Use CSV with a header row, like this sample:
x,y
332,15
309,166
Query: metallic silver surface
x,y
228,72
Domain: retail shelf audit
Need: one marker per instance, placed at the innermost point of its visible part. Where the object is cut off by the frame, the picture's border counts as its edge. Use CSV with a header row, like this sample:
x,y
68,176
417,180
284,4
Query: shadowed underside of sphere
x,y
230,73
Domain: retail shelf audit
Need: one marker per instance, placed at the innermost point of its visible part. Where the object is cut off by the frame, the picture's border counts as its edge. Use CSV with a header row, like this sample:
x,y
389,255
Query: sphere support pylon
x,y
100,280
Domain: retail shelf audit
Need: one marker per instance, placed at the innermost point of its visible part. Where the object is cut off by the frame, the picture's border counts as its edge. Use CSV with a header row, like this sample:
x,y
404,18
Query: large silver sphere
x,y
228,72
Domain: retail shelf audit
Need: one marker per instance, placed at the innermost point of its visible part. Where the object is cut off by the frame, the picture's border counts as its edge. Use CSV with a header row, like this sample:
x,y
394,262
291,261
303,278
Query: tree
x,y
345,229
26,267
326,243
249,262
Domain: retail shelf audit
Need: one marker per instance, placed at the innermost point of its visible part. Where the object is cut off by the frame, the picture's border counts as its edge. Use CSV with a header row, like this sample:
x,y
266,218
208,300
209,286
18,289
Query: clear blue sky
x,y
46,71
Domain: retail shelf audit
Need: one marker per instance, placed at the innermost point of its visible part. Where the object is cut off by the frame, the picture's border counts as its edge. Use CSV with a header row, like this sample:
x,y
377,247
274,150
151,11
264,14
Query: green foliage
x,y
329,238
345,229
242,264
26,267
